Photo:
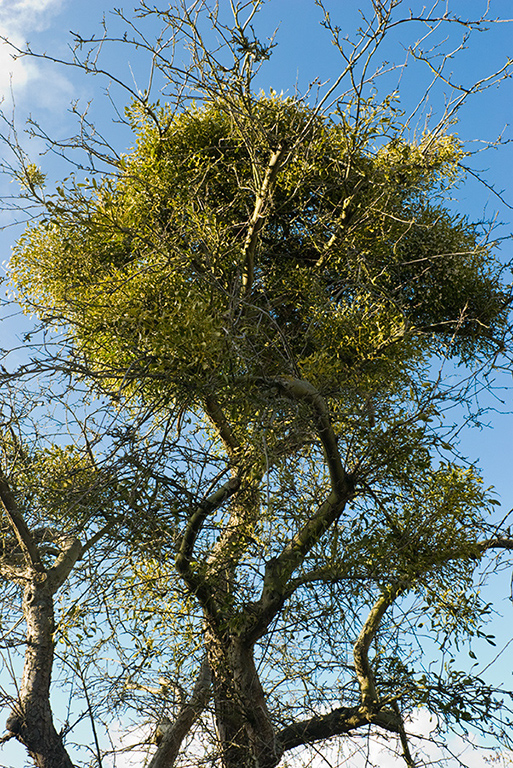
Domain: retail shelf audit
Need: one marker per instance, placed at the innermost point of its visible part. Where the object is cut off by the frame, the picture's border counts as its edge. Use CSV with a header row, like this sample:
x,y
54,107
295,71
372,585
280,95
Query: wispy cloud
x,y
19,21
28,14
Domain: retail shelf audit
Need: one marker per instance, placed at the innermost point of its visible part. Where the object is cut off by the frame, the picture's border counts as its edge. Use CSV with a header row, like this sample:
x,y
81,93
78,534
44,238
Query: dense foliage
x,y
265,293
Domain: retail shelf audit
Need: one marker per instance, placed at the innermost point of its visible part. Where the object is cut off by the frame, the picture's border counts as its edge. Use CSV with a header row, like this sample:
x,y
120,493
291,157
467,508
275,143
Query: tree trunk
x,y
31,720
243,724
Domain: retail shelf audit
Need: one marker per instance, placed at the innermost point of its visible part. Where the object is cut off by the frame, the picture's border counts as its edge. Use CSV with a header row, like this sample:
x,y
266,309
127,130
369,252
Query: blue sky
x,y
303,53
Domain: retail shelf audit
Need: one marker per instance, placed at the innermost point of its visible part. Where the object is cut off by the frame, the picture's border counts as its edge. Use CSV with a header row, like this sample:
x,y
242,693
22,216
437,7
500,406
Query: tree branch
x,y
297,389
197,519
175,733
64,564
361,648
189,536
279,569
21,530
497,543
338,722
258,218
219,420
403,738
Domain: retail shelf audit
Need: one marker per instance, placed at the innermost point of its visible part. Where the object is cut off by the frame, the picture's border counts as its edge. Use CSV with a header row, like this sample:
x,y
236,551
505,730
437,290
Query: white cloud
x,y
431,748
22,15
428,747
129,739
357,752
19,20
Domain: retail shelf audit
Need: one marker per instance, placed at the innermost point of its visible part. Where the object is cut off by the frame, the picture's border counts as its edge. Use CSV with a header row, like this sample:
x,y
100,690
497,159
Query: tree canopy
x,y
261,294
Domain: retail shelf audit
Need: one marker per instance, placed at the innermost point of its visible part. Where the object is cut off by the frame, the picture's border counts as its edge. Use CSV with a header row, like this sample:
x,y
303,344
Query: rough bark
x,y
244,726
31,721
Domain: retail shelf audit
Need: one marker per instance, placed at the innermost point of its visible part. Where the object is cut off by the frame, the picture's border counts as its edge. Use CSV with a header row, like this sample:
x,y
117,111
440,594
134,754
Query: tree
x,y
264,286
57,500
